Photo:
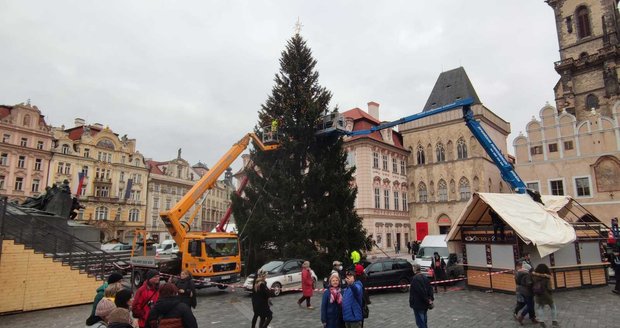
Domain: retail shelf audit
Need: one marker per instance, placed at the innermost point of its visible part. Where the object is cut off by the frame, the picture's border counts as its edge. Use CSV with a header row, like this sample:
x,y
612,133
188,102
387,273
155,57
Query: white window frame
x,y
536,182
556,179
589,186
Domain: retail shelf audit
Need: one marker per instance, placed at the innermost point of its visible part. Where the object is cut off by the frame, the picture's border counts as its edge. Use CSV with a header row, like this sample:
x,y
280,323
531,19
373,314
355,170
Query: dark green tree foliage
x,y
300,200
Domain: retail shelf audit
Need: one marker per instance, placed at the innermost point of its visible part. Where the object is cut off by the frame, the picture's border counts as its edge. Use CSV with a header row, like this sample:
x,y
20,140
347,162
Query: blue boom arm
x,y
507,171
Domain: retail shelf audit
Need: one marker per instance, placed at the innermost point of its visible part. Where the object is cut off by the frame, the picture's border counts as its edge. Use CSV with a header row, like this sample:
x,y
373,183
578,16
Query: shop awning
x,y
532,222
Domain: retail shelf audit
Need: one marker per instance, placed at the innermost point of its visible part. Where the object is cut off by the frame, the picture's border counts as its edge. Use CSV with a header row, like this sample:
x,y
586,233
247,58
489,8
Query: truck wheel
x,y
405,282
137,279
277,289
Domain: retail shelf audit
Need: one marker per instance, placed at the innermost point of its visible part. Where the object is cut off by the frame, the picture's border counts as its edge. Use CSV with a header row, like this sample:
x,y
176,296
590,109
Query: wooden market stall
x,y
495,230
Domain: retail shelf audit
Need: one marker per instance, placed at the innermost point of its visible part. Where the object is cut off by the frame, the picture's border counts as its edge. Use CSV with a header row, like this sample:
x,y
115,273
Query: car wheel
x,y
222,287
276,289
137,279
405,282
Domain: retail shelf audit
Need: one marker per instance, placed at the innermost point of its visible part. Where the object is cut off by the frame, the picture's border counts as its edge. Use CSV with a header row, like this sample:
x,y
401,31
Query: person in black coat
x,y
615,262
439,270
187,290
260,300
420,297
170,310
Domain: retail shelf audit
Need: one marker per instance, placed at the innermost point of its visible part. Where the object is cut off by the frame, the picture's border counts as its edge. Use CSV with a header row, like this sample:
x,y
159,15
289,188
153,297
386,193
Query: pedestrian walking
x,y
260,301
352,302
525,287
420,297
187,289
331,304
397,248
408,247
520,299
615,262
541,277
170,311
307,287
102,314
146,296
439,271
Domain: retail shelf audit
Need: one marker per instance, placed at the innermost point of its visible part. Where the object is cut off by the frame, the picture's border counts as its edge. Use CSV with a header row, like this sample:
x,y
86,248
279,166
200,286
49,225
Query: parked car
x,y
284,273
115,247
389,272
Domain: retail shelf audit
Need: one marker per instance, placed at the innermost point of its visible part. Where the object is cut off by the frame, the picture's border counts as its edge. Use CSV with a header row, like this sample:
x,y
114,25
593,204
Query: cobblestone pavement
x,y
591,308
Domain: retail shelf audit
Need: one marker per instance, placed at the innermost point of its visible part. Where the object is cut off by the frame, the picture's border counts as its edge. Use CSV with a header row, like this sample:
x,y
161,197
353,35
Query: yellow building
x,y
115,177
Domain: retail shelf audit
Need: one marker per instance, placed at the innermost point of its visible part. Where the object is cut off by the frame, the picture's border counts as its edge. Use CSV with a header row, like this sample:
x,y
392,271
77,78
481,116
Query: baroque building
x,y
113,189
380,162
25,151
446,162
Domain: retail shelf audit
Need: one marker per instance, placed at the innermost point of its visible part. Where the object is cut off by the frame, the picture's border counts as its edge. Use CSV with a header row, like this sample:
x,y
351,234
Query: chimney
x,y
79,121
373,110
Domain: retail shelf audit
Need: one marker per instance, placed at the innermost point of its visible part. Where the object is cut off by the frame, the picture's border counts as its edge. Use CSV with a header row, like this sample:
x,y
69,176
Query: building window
x,y
403,169
553,147
101,213
35,185
65,149
583,187
21,162
464,189
2,179
375,160
394,165
350,159
86,152
37,164
385,162
386,199
405,204
533,186
591,102
4,159
6,138
396,201
377,198
421,158
102,191
67,168
155,203
568,145
461,149
134,215
19,183
24,142
557,187
442,189
422,194
389,240
40,145
168,201
583,22
536,150
85,171
440,152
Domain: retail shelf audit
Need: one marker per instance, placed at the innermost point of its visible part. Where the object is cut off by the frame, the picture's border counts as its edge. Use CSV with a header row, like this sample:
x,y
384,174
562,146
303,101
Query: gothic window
x,y
461,149
464,189
440,153
442,189
591,102
422,193
583,22
421,157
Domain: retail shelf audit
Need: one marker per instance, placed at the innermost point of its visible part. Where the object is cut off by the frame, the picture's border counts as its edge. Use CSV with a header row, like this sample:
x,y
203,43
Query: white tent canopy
x,y
532,222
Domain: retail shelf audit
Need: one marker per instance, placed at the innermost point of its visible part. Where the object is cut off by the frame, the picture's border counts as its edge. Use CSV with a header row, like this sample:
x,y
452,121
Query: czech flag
x,y
81,177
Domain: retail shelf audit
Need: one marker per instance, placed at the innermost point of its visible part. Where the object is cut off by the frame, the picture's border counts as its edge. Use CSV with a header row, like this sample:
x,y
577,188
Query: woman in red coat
x,y
306,285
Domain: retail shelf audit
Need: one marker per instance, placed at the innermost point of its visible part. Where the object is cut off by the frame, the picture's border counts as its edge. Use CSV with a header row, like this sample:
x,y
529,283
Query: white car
x,y
281,274
167,247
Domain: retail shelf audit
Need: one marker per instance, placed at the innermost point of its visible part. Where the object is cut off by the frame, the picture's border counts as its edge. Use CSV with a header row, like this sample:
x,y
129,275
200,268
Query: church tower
x,y
588,37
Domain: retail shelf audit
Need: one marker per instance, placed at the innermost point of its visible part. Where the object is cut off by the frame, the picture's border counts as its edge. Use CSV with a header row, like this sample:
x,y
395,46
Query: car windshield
x,y
272,267
427,252
217,247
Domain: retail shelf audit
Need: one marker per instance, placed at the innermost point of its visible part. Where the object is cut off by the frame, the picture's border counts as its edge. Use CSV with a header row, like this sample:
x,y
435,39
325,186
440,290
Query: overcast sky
x,y
192,74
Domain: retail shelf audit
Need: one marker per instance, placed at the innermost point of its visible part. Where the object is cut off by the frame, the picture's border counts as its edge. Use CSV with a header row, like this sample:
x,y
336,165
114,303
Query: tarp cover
x,y
532,222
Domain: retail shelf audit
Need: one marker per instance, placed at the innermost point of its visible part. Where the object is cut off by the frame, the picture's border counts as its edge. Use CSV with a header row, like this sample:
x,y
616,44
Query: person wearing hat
x,y
170,310
120,318
115,277
360,275
102,314
338,269
146,296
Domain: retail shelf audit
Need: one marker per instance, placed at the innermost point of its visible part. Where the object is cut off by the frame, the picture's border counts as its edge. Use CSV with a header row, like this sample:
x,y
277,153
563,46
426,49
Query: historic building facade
x,y
446,162
24,152
574,148
380,162
114,184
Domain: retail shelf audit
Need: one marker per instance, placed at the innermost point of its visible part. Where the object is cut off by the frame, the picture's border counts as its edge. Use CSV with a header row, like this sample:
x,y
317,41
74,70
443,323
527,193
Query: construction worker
x,y
274,126
355,257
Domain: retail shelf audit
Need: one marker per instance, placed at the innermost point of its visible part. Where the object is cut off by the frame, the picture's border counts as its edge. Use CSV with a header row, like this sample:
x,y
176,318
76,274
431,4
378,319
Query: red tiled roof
x,y
5,111
154,167
363,121
76,133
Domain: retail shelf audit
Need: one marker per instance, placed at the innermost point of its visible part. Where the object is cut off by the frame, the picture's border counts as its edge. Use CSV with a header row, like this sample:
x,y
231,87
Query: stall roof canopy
x,y
532,222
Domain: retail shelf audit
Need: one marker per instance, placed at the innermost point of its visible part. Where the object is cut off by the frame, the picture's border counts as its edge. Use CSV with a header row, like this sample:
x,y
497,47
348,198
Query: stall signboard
x,y
480,237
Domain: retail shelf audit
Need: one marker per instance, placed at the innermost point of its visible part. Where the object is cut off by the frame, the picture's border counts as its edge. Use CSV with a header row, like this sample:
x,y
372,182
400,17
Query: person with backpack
x,y
541,278
170,311
524,287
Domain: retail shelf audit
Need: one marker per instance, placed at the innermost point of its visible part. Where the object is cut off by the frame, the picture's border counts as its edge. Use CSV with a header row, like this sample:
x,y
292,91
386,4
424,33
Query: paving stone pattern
x,y
591,308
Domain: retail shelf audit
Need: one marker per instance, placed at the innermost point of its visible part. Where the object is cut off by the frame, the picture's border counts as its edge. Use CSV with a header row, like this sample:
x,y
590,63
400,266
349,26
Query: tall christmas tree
x,y
300,200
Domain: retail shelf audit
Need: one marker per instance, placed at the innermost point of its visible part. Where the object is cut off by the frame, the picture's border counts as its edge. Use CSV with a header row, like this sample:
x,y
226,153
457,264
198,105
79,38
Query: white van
x,y
431,244
167,247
